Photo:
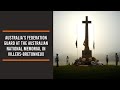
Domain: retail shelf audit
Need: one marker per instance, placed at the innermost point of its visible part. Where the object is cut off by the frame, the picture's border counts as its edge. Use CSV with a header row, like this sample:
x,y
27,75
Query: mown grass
x,y
87,72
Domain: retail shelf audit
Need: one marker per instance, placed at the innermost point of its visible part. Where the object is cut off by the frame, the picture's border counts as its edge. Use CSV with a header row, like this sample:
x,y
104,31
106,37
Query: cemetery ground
x,y
87,72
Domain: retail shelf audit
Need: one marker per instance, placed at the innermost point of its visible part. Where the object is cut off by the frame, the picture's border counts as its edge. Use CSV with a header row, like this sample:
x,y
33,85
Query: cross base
x,y
86,54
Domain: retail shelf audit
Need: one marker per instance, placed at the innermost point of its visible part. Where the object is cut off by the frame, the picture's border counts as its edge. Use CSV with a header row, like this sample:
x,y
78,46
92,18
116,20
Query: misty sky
x,y
104,30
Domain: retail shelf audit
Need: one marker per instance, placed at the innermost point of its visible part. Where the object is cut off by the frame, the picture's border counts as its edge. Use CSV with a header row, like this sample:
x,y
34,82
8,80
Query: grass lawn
x,y
87,72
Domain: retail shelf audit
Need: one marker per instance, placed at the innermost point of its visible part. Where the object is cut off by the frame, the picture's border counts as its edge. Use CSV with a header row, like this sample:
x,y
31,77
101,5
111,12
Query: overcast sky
x,y
104,30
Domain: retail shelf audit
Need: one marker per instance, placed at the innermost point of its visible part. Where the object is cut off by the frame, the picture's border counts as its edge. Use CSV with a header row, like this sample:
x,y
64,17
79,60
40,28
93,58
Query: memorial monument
x,y
86,53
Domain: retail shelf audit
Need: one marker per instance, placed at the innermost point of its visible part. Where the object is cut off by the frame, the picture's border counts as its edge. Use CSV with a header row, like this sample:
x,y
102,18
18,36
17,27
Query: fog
x,y
104,30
